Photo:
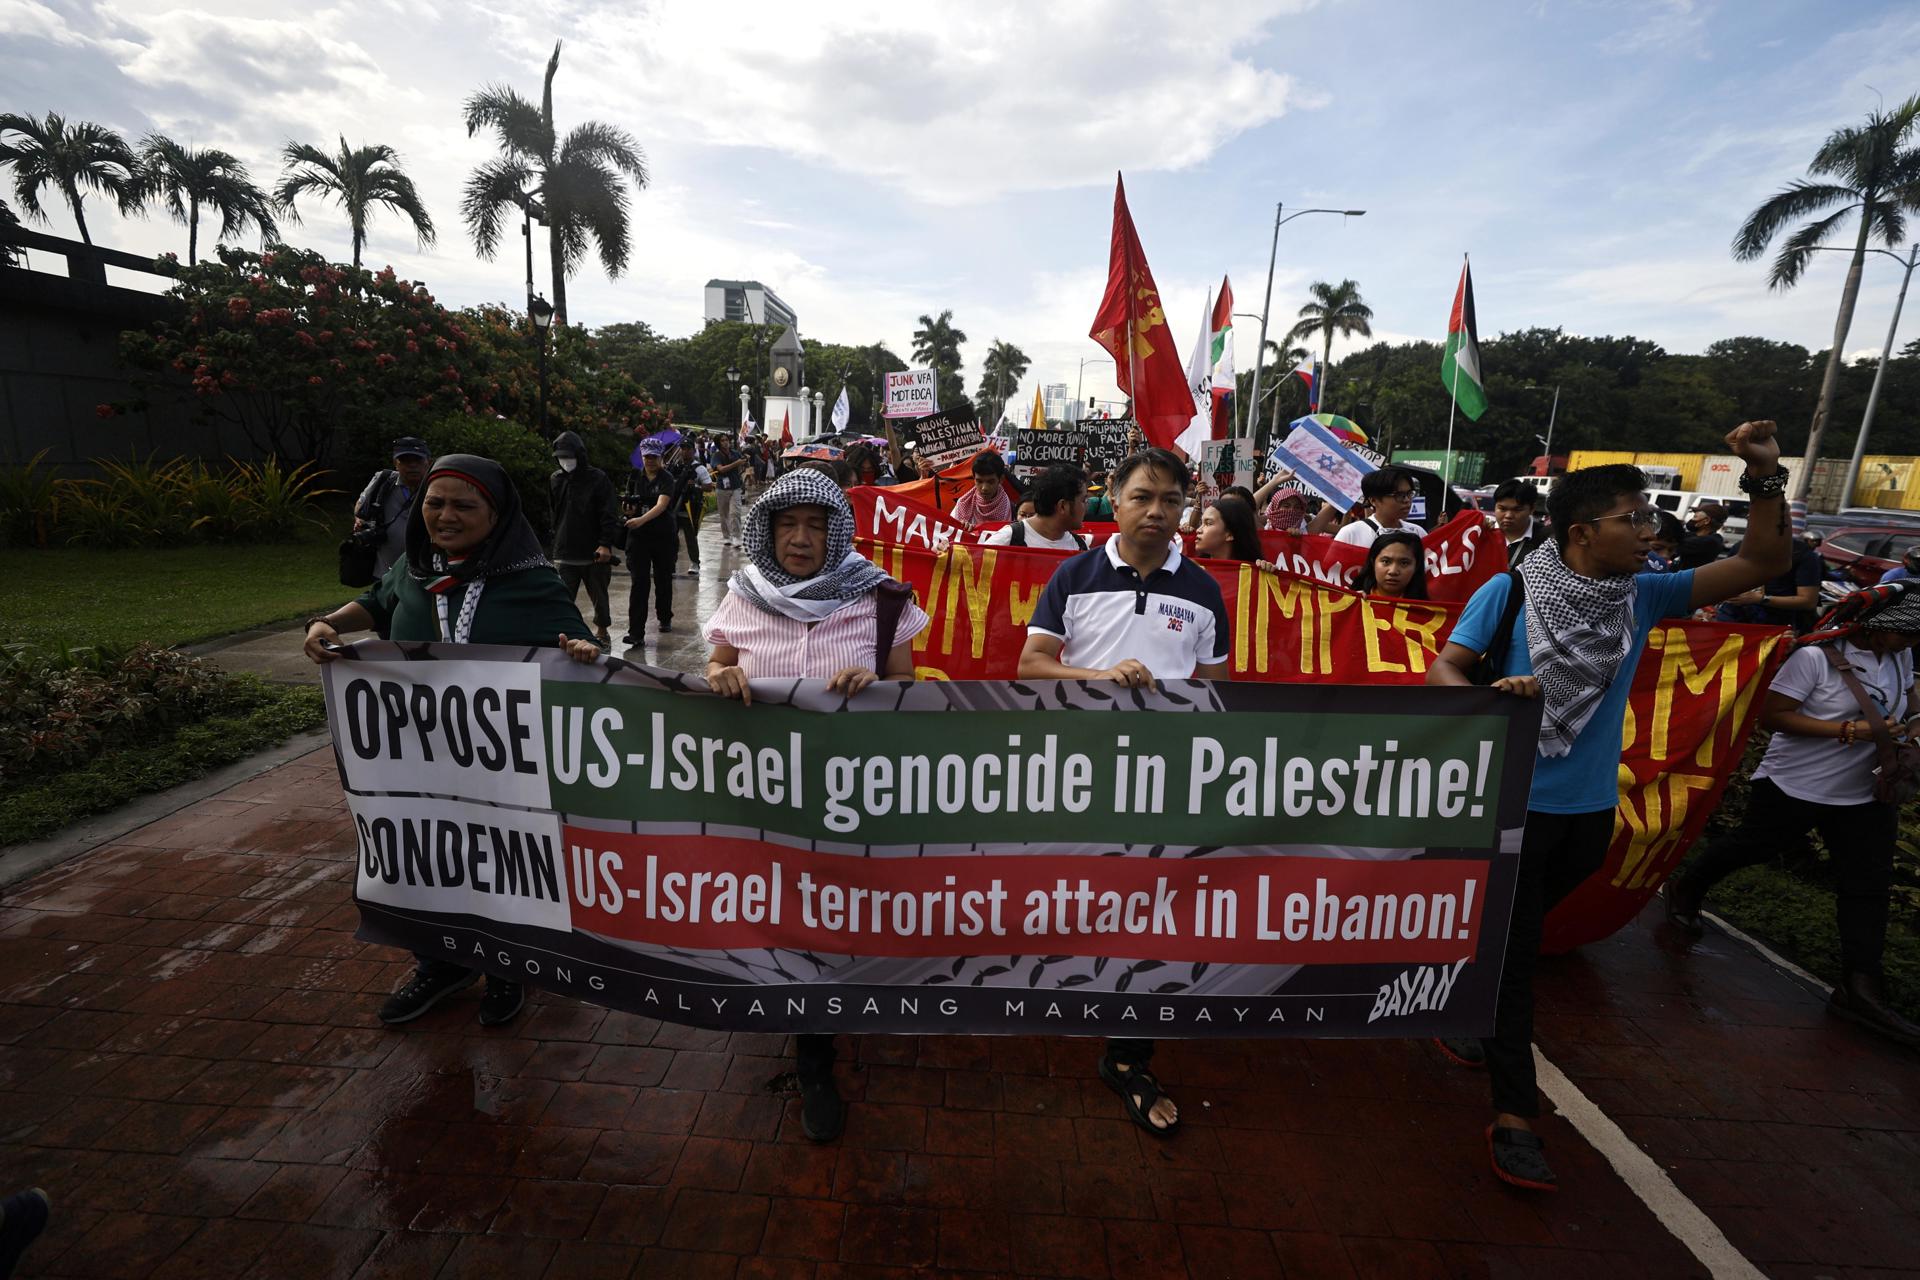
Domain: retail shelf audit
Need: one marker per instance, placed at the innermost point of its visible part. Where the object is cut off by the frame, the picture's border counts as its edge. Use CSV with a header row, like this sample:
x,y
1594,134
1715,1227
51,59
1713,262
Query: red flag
x,y
786,427
1133,329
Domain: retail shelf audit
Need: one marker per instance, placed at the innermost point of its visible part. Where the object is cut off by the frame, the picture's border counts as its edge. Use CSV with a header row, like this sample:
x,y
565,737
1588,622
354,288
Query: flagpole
x,y
1453,385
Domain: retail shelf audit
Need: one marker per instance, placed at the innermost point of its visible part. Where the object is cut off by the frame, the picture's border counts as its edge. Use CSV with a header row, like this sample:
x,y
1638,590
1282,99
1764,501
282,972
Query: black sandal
x,y
1519,1159
823,1115
1141,1081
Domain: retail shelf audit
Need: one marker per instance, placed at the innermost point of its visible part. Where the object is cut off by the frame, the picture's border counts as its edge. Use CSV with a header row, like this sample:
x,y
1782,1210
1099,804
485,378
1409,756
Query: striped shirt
x,y
773,646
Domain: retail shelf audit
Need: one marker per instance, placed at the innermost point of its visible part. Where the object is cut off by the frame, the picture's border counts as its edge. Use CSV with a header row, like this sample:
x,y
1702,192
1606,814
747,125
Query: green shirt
x,y
527,607
1099,507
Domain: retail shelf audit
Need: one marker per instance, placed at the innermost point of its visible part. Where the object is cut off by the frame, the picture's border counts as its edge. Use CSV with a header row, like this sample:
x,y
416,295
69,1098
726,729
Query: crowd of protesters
x,y
1593,568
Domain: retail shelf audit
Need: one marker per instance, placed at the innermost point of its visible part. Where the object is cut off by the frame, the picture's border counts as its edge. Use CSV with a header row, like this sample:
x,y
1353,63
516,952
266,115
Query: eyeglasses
x,y
1402,495
1644,518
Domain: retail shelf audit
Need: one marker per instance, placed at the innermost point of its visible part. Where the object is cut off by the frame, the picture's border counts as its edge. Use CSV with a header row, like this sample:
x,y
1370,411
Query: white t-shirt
x,y
1361,533
1003,537
1822,770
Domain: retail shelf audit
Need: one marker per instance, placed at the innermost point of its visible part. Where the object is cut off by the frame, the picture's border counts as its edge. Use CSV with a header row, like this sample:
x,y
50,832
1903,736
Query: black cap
x,y
411,447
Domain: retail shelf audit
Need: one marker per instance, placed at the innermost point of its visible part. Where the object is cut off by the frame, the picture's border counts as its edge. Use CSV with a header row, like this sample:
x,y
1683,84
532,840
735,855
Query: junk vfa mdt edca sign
x,y
912,393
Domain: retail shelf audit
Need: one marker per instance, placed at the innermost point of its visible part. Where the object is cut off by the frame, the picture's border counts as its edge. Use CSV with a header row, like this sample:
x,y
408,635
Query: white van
x,y
1682,502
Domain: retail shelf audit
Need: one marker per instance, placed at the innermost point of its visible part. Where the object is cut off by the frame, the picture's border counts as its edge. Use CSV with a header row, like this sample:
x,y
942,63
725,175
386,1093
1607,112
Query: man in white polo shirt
x,y
1133,611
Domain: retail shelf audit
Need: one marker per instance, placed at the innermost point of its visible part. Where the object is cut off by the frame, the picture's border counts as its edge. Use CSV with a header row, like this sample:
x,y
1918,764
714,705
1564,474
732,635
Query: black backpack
x,y
1487,670
1017,537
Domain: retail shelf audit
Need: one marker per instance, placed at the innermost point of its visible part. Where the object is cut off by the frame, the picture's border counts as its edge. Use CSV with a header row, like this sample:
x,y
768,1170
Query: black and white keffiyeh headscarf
x,y
847,576
1579,631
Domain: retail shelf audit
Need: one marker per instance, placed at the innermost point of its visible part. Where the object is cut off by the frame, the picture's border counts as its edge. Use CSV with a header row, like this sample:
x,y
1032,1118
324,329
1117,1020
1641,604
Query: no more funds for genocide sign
x,y
940,857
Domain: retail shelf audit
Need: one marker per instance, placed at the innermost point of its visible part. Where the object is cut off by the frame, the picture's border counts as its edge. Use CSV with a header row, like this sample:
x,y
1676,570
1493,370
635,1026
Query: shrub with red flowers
x,y
291,348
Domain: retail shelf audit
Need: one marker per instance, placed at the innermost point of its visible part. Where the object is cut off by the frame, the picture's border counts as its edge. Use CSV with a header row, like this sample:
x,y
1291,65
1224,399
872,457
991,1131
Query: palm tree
x,y
1000,374
184,179
1873,170
70,158
936,344
1336,308
359,178
578,179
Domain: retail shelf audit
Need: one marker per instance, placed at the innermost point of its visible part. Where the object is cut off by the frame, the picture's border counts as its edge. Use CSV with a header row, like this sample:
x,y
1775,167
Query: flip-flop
x,y
1519,1159
1137,1080
1461,1052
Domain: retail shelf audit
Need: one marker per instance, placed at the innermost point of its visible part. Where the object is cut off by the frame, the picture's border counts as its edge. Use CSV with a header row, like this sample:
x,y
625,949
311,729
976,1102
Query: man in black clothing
x,y
1790,600
694,481
586,524
1513,504
649,502
1703,543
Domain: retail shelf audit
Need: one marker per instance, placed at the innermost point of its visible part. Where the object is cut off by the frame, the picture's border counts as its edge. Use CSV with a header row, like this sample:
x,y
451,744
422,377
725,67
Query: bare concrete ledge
x,y
21,861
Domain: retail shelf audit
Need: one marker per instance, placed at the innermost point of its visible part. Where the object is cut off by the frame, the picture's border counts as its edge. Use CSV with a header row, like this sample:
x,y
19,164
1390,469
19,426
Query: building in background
x,y
1055,400
750,301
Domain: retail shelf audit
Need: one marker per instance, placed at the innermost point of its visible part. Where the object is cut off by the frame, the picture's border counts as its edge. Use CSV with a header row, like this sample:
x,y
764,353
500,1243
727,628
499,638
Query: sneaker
x,y
23,1216
605,642
502,1002
429,985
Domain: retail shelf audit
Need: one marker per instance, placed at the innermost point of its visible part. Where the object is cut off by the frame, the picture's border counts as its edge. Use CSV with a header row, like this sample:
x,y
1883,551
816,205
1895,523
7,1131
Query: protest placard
x,y
1270,860
1322,462
912,393
944,438
1093,446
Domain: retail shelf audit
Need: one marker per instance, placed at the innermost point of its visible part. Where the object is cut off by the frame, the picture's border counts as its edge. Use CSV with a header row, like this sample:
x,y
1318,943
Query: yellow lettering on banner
x,y
1331,602
1286,594
977,589
933,605
1020,607
1242,600
1676,663
1655,825
930,673
1371,625
1422,632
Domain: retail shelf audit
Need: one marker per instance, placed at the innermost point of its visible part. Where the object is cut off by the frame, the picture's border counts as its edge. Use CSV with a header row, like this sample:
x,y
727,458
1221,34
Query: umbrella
x,y
812,453
1346,428
666,436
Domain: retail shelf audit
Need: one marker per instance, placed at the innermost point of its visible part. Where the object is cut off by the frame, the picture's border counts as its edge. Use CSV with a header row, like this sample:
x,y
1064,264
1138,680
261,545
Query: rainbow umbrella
x,y
1346,428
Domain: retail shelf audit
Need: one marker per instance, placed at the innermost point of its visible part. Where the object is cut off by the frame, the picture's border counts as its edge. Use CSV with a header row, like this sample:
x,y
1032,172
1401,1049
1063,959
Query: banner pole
x,y
1453,386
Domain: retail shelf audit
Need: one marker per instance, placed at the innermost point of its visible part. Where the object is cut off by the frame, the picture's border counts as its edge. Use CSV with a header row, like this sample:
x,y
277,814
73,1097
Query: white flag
x,y
842,411
1200,382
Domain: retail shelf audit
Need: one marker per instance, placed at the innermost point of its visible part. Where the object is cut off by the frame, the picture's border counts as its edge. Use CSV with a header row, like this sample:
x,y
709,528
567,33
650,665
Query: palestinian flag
x,y
1222,354
1460,366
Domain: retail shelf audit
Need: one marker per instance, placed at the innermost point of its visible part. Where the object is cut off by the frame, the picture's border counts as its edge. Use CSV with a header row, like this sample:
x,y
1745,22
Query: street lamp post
x,y
1080,384
1879,374
1243,455
542,312
1552,414
733,377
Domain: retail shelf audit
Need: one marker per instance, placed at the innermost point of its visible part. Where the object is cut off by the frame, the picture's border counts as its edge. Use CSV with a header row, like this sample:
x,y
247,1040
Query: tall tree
x,y
1335,308
71,158
185,179
359,178
936,344
1000,375
1870,168
577,178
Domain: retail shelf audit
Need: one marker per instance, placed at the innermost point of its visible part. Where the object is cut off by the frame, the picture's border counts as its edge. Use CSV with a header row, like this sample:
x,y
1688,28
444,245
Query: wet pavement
x,y
190,1064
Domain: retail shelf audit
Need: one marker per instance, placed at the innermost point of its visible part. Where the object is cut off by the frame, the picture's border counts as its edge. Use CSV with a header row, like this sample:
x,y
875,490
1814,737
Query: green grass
x,y
167,595
254,715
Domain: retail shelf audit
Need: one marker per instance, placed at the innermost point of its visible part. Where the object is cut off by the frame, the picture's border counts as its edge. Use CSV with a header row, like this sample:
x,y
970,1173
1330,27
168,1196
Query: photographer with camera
x,y
380,512
585,528
647,508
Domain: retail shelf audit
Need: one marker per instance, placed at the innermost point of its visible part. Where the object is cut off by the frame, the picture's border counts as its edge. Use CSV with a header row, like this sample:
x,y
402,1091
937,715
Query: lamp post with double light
x,y
1886,353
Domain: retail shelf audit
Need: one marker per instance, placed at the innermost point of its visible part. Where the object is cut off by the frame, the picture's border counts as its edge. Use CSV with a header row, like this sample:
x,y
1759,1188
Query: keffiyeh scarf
x,y
1579,631
847,577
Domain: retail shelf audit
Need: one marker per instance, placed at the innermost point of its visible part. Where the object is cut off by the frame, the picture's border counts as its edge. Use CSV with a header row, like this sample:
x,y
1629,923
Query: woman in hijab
x,y
1396,567
1833,698
808,606
474,574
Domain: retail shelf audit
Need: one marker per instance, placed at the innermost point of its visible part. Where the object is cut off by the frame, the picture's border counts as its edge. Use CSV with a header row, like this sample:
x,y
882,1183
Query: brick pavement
x,y
189,1063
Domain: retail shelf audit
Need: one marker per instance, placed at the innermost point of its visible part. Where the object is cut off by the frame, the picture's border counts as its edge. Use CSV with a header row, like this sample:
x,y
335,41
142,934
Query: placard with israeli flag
x,y
1321,462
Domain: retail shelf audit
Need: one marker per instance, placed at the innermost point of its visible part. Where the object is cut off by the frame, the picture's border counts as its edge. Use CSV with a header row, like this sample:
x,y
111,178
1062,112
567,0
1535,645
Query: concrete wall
x,y
59,343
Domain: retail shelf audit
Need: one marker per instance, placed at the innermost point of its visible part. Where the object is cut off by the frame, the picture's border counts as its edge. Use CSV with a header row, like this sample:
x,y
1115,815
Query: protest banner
x,y
1269,860
1091,446
944,438
1695,695
912,393
1216,456
1322,462
1460,554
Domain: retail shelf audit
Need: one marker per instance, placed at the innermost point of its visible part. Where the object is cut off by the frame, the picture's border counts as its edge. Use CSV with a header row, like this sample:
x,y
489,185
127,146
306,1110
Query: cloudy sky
x,y
873,161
